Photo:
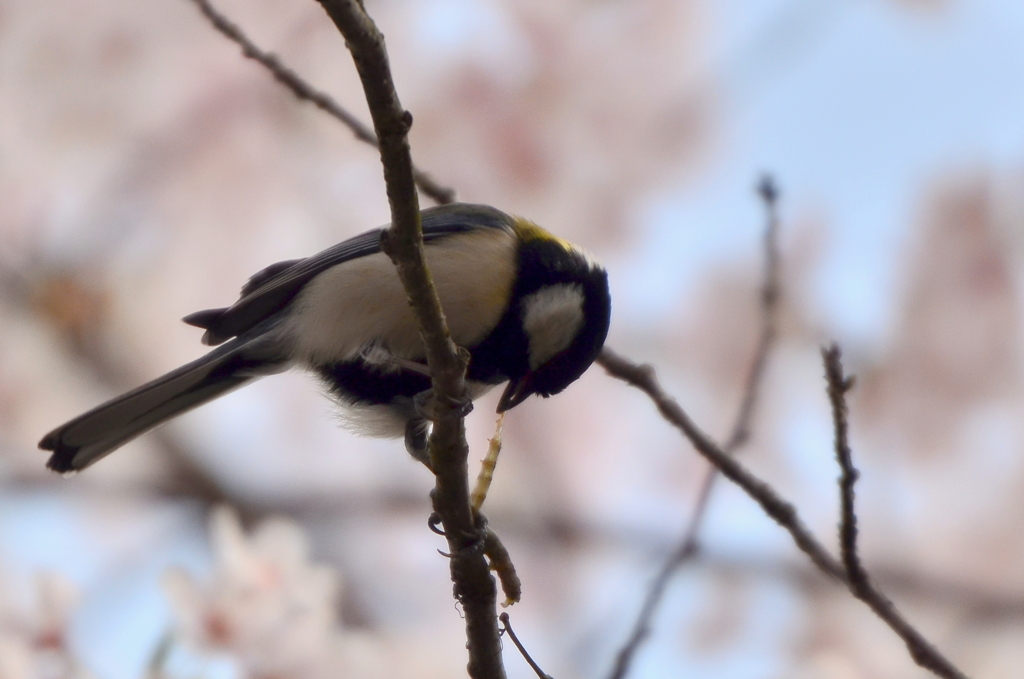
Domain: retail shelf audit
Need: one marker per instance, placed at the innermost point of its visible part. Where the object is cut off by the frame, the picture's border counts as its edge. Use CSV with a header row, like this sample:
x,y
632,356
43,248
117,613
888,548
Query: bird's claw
x,y
426,405
416,432
476,540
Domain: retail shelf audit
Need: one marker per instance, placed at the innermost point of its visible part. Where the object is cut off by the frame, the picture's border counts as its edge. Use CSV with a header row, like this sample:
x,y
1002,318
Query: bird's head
x,y
564,309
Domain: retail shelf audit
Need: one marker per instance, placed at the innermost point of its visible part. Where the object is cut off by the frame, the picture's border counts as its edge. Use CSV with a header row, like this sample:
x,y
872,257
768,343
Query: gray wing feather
x,y
270,290
278,290
258,279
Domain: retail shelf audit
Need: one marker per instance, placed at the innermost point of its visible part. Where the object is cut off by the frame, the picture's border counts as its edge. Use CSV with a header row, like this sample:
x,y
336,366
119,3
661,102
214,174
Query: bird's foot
x,y
426,405
417,430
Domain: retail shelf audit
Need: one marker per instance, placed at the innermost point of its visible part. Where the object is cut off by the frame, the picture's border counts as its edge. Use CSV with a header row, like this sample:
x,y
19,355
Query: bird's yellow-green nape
x,y
527,231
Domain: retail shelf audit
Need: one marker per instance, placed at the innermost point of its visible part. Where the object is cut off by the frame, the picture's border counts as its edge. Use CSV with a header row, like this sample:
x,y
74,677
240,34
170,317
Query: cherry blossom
x,y
33,630
265,604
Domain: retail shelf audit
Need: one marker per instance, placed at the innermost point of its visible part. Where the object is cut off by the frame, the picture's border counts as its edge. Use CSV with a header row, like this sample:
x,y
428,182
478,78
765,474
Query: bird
x,y
532,309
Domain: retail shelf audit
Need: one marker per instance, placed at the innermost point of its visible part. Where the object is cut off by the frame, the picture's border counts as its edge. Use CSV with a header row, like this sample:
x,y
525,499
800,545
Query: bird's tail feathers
x,y
90,436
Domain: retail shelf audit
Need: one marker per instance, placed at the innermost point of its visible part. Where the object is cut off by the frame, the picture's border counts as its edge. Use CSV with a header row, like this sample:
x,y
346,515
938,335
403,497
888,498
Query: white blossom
x,y
34,630
265,603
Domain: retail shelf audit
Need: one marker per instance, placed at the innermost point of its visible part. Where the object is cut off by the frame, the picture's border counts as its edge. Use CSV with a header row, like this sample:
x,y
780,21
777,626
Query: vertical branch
x,y
687,549
838,385
770,295
474,587
769,298
920,649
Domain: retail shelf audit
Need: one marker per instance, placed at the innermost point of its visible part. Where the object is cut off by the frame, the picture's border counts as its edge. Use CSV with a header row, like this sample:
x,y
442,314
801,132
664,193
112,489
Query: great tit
x,y
531,308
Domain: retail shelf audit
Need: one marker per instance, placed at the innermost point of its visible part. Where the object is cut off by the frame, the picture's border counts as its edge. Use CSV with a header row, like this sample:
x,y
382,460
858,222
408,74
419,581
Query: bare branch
x,y
781,511
838,385
687,549
306,92
155,668
921,650
515,640
474,588
770,295
656,592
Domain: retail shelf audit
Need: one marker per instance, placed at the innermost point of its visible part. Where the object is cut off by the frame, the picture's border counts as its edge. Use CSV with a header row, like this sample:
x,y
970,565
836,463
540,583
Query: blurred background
x,y
147,169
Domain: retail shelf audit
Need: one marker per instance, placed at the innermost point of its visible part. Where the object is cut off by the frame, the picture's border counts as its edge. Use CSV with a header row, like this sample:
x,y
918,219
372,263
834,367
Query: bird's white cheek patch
x,y
552,317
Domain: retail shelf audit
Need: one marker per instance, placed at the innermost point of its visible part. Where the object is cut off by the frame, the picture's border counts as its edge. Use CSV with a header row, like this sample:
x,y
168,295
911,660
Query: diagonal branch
x,y
306,92
474,588
688,547
778,509
541,674
781,511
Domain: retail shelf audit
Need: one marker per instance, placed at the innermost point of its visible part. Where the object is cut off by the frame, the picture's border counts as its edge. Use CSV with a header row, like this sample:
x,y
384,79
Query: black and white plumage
x,y
531,309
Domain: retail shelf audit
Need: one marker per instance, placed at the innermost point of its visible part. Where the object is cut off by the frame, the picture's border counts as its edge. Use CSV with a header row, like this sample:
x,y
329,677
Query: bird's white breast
x,y
362,301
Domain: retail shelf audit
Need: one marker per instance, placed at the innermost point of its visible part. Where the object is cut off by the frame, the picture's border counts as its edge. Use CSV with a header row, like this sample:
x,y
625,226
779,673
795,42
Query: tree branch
x,y
781,511
770,294
474,587
541,674
921,650
838,385
688,547
306,92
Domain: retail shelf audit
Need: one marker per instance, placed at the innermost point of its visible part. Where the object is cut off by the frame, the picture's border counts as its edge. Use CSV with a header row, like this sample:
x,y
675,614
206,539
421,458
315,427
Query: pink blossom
x,y
265,603
33,630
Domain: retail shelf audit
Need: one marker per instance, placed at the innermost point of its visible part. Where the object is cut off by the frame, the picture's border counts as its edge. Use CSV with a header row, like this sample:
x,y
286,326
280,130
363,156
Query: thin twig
x,y
921,650
688,547
838,385
474,587
655,593
770,293
155,668
522,650
780,510
306,92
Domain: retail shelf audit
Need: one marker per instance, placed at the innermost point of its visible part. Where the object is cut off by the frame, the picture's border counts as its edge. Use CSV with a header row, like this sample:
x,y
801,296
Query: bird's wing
x,y
270,290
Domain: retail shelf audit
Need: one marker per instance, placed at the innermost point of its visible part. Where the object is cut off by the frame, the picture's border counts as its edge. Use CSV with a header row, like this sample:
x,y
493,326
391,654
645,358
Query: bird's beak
x,y
516,392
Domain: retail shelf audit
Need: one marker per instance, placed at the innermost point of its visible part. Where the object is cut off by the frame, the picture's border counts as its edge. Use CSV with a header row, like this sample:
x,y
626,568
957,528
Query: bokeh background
x,y
147,169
